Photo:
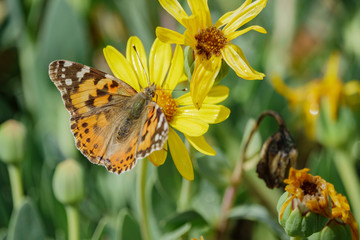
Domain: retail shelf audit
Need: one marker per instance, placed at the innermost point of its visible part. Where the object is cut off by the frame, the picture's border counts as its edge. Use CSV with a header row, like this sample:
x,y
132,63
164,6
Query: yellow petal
x,y
235,34
201,9
192,28
290,94
174,8
352,88
200,144
176,72
216,95
189,126
135,54
180,155
120,67
226,18
158,157
208,113
169,36
203,78
243,15
332,69
235,58
160,57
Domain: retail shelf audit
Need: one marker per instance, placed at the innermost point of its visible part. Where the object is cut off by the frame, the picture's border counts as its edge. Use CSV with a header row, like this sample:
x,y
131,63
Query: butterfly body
x,y
113,124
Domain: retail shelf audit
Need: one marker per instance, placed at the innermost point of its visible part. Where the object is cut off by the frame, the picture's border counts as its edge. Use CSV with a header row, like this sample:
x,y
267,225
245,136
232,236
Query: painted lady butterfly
x,y
113,124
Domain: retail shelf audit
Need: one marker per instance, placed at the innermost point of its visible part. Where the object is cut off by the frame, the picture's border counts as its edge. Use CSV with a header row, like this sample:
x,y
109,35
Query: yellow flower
x,y
212,43
307,190
330,88
341,211
180,113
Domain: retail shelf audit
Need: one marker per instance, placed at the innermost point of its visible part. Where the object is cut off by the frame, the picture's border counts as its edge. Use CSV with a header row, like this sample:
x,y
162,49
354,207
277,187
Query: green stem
x,y
296,238
16,184
144,219
350,179
72,213
99,229
184,195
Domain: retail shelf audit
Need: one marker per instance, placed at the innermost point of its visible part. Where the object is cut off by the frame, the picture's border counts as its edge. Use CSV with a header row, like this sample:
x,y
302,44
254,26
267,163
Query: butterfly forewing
x,y
100,106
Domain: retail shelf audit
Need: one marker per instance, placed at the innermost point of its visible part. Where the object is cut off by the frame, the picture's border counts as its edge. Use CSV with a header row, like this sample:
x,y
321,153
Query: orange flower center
x,y
210,41
167,104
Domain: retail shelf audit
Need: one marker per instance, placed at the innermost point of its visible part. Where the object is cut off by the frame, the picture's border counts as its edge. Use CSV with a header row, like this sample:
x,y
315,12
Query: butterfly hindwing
x,y
154,133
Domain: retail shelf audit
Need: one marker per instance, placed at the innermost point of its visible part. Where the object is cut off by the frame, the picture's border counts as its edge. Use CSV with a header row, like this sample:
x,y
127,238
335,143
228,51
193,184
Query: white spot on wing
x,y
108,76
68,81
81,74
63,75
67,64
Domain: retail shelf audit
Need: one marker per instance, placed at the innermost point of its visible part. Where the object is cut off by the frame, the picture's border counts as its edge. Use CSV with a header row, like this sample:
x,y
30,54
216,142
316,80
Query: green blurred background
x,y
301,36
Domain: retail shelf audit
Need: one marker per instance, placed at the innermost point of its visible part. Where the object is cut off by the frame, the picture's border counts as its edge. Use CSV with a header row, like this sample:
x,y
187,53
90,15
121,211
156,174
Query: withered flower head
x,y
308,190
278,154
341,211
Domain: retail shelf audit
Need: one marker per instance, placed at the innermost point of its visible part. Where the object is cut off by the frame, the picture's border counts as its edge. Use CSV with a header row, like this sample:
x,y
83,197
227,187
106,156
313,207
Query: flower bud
x,y
278,154
334,230
68,182
12,139
297,220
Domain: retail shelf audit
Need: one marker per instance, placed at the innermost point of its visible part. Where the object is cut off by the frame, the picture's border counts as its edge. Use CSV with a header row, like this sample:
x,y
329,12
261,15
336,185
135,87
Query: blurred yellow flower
x,y
341,211
308,190
330,88
180,113
212,43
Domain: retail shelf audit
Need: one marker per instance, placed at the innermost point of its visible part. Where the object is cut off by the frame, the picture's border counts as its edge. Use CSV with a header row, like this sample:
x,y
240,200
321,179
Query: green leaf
x,y
169,183
178,233
25,223
259,214
190,216
215,168
63,35
115,191
13,25
207,202
129,228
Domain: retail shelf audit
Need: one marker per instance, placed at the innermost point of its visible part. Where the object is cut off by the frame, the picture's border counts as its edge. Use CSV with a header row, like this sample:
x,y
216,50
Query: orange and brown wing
x,y
149,134
92,98
84,88
154,133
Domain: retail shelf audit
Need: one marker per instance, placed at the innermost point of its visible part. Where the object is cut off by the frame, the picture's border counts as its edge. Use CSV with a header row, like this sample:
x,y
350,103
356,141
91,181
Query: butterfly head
x,y
149,91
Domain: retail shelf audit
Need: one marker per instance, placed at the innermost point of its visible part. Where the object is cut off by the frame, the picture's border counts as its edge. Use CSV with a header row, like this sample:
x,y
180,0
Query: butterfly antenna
x,y
142,66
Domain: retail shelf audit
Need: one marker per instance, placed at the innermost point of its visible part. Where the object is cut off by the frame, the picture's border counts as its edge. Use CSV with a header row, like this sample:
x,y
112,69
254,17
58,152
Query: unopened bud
x,y
68,182
12,139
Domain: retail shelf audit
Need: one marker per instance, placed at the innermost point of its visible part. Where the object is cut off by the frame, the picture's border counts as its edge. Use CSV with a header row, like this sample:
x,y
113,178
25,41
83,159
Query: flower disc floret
x,y
166,103
210,41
